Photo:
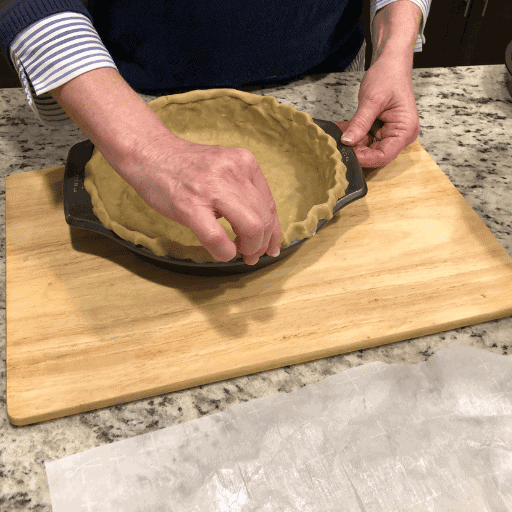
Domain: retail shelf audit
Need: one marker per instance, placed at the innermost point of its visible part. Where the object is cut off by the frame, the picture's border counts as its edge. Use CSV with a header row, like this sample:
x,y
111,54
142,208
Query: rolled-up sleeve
x,y
424,5
51,52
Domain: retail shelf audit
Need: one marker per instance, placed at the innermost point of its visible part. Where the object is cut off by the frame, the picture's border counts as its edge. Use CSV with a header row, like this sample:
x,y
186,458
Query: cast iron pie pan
x,y
79,213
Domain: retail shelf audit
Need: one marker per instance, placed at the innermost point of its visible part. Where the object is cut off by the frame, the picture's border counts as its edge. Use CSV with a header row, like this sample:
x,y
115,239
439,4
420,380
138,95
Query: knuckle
x,y
254,228
246,157
180,211
212,237
272,207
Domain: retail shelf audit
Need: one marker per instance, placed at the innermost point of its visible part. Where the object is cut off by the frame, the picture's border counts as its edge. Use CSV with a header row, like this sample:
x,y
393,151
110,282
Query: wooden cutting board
x,y
90,325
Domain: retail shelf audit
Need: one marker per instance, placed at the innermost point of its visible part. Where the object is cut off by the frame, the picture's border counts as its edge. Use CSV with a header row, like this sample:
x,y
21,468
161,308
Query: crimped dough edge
x,y
300,229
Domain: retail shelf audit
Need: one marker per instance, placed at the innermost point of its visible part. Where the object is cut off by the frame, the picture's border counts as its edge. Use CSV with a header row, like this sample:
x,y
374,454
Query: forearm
x,y
112,115
395,30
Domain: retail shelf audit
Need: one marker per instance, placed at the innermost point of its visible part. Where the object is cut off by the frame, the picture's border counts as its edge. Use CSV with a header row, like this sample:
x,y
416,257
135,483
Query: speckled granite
x,y
466,122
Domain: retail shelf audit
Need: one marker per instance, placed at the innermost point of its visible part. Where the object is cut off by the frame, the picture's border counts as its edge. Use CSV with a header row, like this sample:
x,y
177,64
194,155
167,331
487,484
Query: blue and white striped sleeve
x,y
51,52
424,5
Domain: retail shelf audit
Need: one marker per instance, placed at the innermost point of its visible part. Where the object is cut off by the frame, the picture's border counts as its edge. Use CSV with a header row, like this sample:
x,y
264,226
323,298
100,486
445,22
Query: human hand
x,y
195,184
386,94
192,184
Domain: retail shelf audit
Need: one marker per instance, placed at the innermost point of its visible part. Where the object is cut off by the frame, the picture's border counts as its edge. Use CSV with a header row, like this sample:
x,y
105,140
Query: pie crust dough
x,y
300,162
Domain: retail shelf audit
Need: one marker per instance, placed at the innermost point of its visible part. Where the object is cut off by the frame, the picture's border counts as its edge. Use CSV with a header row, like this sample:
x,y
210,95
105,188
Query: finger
x,y
274,246
361,123
248,259
381,152
343,125
271,242
272,249
247,223
211,234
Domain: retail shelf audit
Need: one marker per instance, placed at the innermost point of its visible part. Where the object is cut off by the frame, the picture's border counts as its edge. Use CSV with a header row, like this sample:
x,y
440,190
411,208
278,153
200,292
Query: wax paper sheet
x,y
435,436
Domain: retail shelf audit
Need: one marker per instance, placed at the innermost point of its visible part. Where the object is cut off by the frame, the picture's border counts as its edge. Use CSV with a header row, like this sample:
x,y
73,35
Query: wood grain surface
x,y
90,325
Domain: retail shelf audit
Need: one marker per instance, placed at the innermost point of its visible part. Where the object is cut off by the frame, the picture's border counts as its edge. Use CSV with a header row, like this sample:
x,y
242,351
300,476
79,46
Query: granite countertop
x,y
466,122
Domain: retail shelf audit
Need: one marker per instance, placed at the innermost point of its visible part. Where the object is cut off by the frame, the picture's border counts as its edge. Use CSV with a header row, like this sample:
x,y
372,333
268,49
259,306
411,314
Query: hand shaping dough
x,y
300,162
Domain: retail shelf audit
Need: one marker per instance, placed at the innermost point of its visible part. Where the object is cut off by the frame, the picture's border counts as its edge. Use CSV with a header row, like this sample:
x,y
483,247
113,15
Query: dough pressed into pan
x,y
300,162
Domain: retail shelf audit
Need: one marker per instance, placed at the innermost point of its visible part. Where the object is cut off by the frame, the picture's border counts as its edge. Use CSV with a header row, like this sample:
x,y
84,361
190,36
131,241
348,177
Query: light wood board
x,y
90,325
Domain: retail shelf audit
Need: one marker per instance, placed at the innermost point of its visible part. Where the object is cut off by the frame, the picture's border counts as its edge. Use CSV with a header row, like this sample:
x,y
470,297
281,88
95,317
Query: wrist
x,y
394,56
395,31
146,154
113,116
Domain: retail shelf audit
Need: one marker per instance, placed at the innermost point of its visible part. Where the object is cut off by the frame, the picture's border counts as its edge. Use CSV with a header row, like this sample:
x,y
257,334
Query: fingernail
x,y
345,138
276,254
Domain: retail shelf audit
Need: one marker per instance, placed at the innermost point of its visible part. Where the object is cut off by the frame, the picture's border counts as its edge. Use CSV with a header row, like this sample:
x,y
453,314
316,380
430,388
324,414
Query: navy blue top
x,y
177,45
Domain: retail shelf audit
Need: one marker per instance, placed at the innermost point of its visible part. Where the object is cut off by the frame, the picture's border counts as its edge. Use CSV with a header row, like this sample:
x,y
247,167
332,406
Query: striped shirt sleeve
x,y
424,5
56,49
51,52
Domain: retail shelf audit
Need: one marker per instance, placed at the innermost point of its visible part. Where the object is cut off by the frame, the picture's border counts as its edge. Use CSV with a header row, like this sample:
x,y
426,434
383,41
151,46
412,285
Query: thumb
x,y
359,126
213,237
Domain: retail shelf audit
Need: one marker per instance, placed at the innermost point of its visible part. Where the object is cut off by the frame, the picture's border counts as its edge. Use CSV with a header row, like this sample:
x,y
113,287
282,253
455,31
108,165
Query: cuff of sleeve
x,y
44,106
16,16
46,57
424,6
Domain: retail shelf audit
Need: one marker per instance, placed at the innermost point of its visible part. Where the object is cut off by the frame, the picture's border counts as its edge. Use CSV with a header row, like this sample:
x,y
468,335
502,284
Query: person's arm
x,y
112,115
395,31
386,100
185,182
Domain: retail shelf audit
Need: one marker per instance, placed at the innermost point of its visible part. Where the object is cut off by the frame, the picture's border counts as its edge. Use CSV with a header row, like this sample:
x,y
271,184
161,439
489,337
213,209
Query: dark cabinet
x,y
8,77
488,32
463,33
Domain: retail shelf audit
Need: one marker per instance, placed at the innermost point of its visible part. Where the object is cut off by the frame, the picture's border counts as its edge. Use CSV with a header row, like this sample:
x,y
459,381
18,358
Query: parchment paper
x,y
435,436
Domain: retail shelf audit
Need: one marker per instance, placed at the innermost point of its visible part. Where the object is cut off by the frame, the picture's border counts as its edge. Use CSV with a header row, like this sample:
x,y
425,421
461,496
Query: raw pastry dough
x,y
300,162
